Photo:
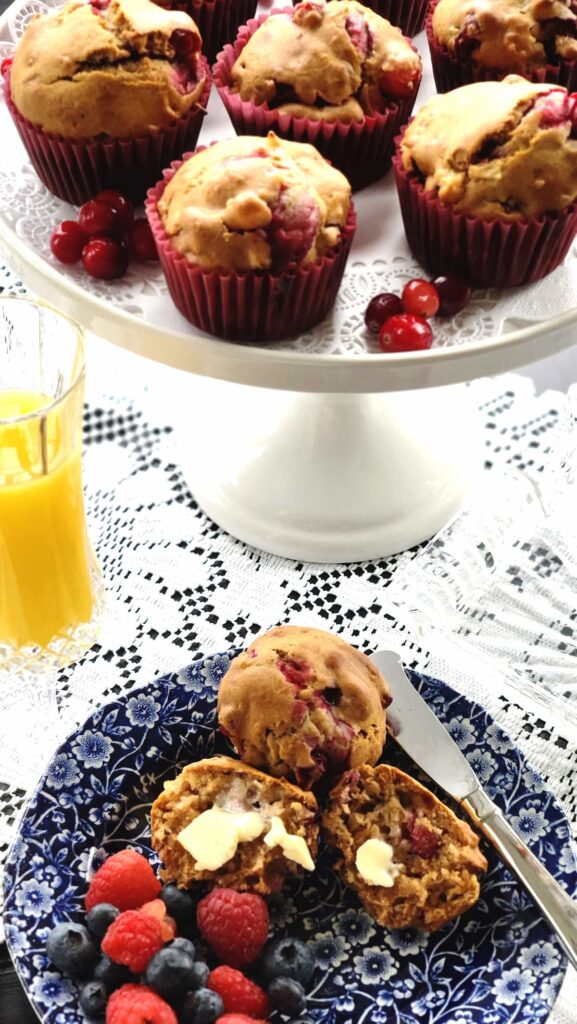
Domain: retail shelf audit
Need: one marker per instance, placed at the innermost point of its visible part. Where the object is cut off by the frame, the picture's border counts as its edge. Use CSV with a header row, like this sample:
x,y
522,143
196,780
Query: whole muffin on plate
x,y
487,181
304,703
253,236
332,74
482,40
218,21
104,95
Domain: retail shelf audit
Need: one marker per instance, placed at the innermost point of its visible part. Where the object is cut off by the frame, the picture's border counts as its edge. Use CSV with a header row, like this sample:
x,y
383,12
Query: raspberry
x,y
157,909
126,880
238,994
234,924
133,939
238,1018
137,1004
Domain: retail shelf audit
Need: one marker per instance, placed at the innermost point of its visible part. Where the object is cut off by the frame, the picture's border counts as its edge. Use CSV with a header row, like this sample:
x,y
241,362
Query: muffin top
x,y
255,203
497,149
327,61
115,69
508,35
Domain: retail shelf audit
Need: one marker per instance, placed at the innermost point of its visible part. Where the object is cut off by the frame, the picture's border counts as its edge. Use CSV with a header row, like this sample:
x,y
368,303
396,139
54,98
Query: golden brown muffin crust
x,y
81,72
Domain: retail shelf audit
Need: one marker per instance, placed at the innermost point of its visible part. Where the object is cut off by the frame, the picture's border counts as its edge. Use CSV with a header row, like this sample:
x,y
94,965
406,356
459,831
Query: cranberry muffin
x,y
104,95
304,703
222,822
487,180
253,236
410,860
218,21
477,41
333,74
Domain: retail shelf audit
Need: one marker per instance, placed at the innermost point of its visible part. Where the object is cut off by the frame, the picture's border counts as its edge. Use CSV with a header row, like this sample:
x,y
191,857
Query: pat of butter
x,y
212,838
293,847
375,863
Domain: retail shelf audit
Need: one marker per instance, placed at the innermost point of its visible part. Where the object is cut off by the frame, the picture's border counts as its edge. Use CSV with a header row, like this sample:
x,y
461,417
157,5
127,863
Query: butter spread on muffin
x,y
255,204
116,69
334,61
507,35
497,149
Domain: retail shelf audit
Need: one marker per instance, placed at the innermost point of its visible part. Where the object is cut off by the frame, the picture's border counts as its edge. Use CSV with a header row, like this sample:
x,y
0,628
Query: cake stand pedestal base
x,y
324,477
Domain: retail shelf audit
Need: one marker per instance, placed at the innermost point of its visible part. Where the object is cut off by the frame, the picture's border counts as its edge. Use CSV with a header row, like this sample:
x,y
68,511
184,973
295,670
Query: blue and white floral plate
x,y
497,964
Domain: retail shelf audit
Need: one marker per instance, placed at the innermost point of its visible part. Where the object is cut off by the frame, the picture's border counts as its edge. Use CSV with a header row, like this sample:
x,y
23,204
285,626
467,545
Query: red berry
x,y
380,308
454,294
185,43
142,244
400,81
420,298
405,333
6,65
239,994
237,1018
68,241
424,841
138,1004
133,939
118,202
126,880
98,219
105,258
234,924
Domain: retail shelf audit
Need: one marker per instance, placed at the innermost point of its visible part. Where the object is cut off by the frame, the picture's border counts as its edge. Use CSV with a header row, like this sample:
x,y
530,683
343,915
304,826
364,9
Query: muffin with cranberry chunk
x,y
253,236
333,74
304,703
483,40
218,21
487,180
410,860
106,94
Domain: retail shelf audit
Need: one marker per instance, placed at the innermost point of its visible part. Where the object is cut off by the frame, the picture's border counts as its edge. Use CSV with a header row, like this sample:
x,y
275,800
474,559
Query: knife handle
x,y
554,903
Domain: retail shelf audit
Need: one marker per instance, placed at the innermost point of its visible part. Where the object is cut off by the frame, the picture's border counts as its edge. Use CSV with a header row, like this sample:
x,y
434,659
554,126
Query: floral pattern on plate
x,y
497,964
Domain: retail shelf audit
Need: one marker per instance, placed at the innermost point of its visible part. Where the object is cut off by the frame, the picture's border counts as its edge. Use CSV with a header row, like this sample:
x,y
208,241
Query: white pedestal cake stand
x,y
320,449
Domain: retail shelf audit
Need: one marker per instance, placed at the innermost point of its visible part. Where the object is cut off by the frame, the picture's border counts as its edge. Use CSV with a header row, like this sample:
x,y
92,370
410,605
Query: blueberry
x,y
113,975
168,973
179,905
288,996
93,998
287,958
199,974
71,949
185,945
100,918
201,1007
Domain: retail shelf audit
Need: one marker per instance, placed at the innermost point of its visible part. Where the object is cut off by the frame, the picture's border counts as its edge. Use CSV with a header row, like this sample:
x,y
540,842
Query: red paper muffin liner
x,y
218,21
488,253
450,72
250,306
408,15
362,150
76,169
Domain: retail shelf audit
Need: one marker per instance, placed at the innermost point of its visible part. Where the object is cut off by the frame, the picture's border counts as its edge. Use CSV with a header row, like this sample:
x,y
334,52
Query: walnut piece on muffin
x,y
507,35
327,61
410,860
224,822
303,703
497,149
116,69
254,203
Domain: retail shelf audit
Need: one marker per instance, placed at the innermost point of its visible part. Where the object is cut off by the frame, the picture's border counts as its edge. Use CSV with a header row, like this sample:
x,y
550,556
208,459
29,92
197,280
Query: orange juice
x,y
46,558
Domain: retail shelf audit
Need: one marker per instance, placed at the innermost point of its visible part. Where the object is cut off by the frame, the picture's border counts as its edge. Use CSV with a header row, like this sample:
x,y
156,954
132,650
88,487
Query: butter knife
x,y
420,733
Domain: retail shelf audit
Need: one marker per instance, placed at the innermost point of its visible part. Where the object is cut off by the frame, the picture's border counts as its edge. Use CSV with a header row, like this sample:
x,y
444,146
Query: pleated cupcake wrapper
x,y
251,306
76,169
218,21
488,253
408,15
450,72
362,150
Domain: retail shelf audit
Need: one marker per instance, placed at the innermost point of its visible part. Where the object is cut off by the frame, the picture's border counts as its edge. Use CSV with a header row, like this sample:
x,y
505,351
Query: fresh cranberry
x,y
6,65
98,219
295,672
68,241
425,841
420,298
118,202
142,244
185,43
554,108
380,308
401,82
405,333
105,258
454,294
359,34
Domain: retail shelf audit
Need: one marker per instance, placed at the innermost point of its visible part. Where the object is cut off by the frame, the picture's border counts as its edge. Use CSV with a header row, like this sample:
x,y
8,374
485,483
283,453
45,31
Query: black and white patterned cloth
x,y
179,588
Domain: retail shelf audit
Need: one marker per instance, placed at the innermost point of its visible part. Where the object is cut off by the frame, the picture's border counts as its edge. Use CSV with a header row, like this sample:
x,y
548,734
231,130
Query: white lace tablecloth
x,y
179,588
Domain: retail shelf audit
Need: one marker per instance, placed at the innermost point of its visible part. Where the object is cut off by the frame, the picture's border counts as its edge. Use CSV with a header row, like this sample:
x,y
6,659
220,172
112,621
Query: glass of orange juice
x,y
50,587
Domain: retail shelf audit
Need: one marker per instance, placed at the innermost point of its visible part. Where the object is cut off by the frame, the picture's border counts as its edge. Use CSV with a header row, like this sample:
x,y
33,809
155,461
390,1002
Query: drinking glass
x,y
51,591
